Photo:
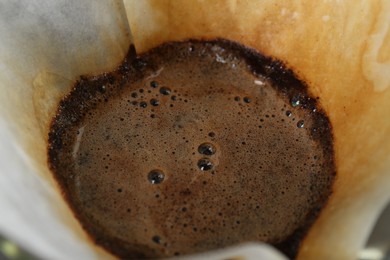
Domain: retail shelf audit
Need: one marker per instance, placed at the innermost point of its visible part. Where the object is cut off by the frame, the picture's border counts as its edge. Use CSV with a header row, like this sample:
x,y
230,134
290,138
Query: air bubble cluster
x,y
206,149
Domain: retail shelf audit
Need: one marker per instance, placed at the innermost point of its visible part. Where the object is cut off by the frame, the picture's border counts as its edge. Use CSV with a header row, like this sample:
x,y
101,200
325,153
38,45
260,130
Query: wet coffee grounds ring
x,y
193,146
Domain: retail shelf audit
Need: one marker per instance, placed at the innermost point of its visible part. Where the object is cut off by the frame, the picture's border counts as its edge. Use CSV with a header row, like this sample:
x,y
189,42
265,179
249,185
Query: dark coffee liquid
x,y
194,146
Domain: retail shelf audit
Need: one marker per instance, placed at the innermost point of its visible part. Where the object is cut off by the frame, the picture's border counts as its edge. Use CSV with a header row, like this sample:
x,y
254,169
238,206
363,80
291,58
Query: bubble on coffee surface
x,y
165,91
143,104
154,84
183,153
247,100
300,124
156,177
295,101
207,148
154,102
156,239
205,164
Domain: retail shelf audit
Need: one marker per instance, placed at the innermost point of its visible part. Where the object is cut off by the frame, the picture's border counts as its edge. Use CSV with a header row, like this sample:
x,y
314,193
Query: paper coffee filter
x,y
44,47
340,48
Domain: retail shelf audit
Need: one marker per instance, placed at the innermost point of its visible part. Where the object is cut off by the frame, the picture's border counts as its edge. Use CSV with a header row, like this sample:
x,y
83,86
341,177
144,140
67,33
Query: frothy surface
x,y
195,146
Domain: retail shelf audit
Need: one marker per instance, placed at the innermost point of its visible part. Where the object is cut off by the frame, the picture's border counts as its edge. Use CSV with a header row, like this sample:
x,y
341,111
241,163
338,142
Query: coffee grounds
x,y
193,146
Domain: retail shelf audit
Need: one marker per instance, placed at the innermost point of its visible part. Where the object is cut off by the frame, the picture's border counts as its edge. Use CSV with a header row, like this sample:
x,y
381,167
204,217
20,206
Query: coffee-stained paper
x,y
44,46
340,48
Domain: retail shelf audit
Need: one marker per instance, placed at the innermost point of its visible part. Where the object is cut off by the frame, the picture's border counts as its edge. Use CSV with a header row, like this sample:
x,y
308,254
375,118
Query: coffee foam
x,y
127,149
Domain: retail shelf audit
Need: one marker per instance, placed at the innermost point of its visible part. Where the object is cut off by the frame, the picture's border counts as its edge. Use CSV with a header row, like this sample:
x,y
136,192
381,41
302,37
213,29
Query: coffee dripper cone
x,y
339,48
